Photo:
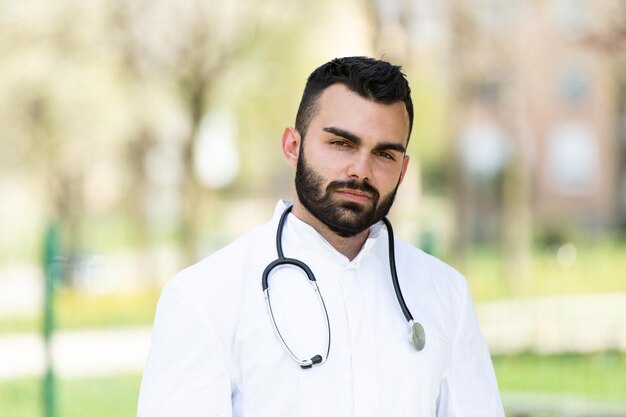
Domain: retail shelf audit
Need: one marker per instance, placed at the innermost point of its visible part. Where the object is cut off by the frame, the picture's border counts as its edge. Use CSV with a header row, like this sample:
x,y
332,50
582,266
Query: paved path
x,y
76,353
579,323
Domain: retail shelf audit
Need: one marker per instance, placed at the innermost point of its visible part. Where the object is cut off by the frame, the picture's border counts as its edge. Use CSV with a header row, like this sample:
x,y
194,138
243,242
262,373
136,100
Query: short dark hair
x,y
373,79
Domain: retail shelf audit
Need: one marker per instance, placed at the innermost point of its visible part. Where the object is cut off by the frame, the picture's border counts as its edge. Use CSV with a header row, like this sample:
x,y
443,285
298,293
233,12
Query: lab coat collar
x,y
301,234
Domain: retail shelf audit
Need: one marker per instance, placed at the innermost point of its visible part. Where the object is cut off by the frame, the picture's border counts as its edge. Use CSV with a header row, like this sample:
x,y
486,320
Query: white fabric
x,y
214,351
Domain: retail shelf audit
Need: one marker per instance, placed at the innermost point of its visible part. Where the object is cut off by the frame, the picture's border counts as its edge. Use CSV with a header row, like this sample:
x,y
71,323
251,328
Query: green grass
x,y
600,377
93,397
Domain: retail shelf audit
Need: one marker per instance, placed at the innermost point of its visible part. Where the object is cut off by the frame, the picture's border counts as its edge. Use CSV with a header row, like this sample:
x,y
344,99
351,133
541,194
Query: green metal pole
x,y
52,271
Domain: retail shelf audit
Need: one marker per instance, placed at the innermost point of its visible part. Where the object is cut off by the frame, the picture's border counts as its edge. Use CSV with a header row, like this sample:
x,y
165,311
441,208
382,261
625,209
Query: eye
x,y
386,155
340,143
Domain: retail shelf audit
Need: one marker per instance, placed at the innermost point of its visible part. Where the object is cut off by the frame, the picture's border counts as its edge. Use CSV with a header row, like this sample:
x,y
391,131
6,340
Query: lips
x,y
359,192
355,194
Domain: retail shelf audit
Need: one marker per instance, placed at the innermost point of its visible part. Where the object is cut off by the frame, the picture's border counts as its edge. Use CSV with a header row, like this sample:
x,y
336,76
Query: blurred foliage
x,y
430,143
92,90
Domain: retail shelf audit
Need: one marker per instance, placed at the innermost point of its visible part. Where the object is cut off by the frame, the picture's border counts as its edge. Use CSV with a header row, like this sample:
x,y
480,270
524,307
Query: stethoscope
x,y
417,337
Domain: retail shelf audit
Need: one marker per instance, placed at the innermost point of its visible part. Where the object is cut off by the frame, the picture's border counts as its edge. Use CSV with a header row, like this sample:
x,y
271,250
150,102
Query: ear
x,y
291,145
405,164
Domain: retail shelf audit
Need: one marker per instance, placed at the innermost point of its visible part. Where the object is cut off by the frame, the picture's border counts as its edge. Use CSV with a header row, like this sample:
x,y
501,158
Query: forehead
x,y
340,107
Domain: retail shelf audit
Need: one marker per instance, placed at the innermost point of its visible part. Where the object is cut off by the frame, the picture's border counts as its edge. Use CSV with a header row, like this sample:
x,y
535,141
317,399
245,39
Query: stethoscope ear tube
x,y
285,261
394,272
279,232
317,359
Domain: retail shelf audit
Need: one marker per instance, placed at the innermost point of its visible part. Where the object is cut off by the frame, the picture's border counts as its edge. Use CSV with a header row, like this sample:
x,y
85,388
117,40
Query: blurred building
x,y
571,97
540,103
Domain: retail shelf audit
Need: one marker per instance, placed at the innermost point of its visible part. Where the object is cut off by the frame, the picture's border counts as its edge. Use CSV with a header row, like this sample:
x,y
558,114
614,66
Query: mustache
x,y
354,185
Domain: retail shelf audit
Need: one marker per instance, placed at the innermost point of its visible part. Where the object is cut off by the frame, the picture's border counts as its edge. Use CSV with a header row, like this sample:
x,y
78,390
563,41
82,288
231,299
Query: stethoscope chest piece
x,y
417,336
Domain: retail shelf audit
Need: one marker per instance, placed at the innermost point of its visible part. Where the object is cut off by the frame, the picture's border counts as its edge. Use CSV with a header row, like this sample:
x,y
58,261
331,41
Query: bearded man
x,y
344,292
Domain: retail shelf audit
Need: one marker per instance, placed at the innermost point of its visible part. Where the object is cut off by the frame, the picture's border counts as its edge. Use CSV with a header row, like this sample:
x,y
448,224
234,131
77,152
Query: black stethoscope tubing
x,y
281,261
416,335
394,272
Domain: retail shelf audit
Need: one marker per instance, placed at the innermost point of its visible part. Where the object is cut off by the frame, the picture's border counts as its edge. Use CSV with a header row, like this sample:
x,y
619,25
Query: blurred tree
x,y
54,95
140,93
64,181
390,21
484,74
609,39
463,36
187,45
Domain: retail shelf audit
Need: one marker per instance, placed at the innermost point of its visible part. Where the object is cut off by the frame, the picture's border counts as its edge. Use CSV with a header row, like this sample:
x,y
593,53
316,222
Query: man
x,y
215,351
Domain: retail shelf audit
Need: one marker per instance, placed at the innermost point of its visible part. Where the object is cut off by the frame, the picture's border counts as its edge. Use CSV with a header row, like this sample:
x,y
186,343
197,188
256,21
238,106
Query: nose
x,y
360,167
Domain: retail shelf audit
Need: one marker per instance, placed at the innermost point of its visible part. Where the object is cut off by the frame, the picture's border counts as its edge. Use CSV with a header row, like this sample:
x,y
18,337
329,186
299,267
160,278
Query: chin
x,y
352,207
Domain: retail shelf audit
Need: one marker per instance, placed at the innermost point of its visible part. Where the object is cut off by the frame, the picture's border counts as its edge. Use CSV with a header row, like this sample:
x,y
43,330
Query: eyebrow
x,y
392,146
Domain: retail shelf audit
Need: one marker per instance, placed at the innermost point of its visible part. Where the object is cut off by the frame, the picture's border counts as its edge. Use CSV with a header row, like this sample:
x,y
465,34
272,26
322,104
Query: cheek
x,y
389,179
332,169
329,165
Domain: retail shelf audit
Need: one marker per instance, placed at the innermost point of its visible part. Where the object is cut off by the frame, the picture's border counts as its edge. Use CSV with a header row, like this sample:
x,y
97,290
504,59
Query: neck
x,y
347,246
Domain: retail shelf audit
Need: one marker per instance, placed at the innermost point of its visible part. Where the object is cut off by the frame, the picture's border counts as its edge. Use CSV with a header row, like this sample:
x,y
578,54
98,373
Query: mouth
x,y
355,195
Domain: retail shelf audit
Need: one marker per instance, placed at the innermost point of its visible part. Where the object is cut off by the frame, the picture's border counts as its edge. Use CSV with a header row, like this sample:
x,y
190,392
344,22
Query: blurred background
x,y
139,136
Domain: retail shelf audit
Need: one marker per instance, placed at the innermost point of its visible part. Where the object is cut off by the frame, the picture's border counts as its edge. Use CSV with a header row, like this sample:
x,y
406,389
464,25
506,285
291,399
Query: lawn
x,y
600,376
94,397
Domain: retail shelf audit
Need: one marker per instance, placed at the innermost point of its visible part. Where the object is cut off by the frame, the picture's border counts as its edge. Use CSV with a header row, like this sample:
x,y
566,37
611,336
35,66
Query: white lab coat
x,y
214,351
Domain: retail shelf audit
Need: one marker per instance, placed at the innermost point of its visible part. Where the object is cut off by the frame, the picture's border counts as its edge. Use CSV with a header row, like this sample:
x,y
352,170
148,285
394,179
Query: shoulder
x,y
226,263
220,278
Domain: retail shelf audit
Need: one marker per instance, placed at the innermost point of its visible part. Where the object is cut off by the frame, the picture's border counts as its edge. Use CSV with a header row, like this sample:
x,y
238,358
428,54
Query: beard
x,y
346,218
